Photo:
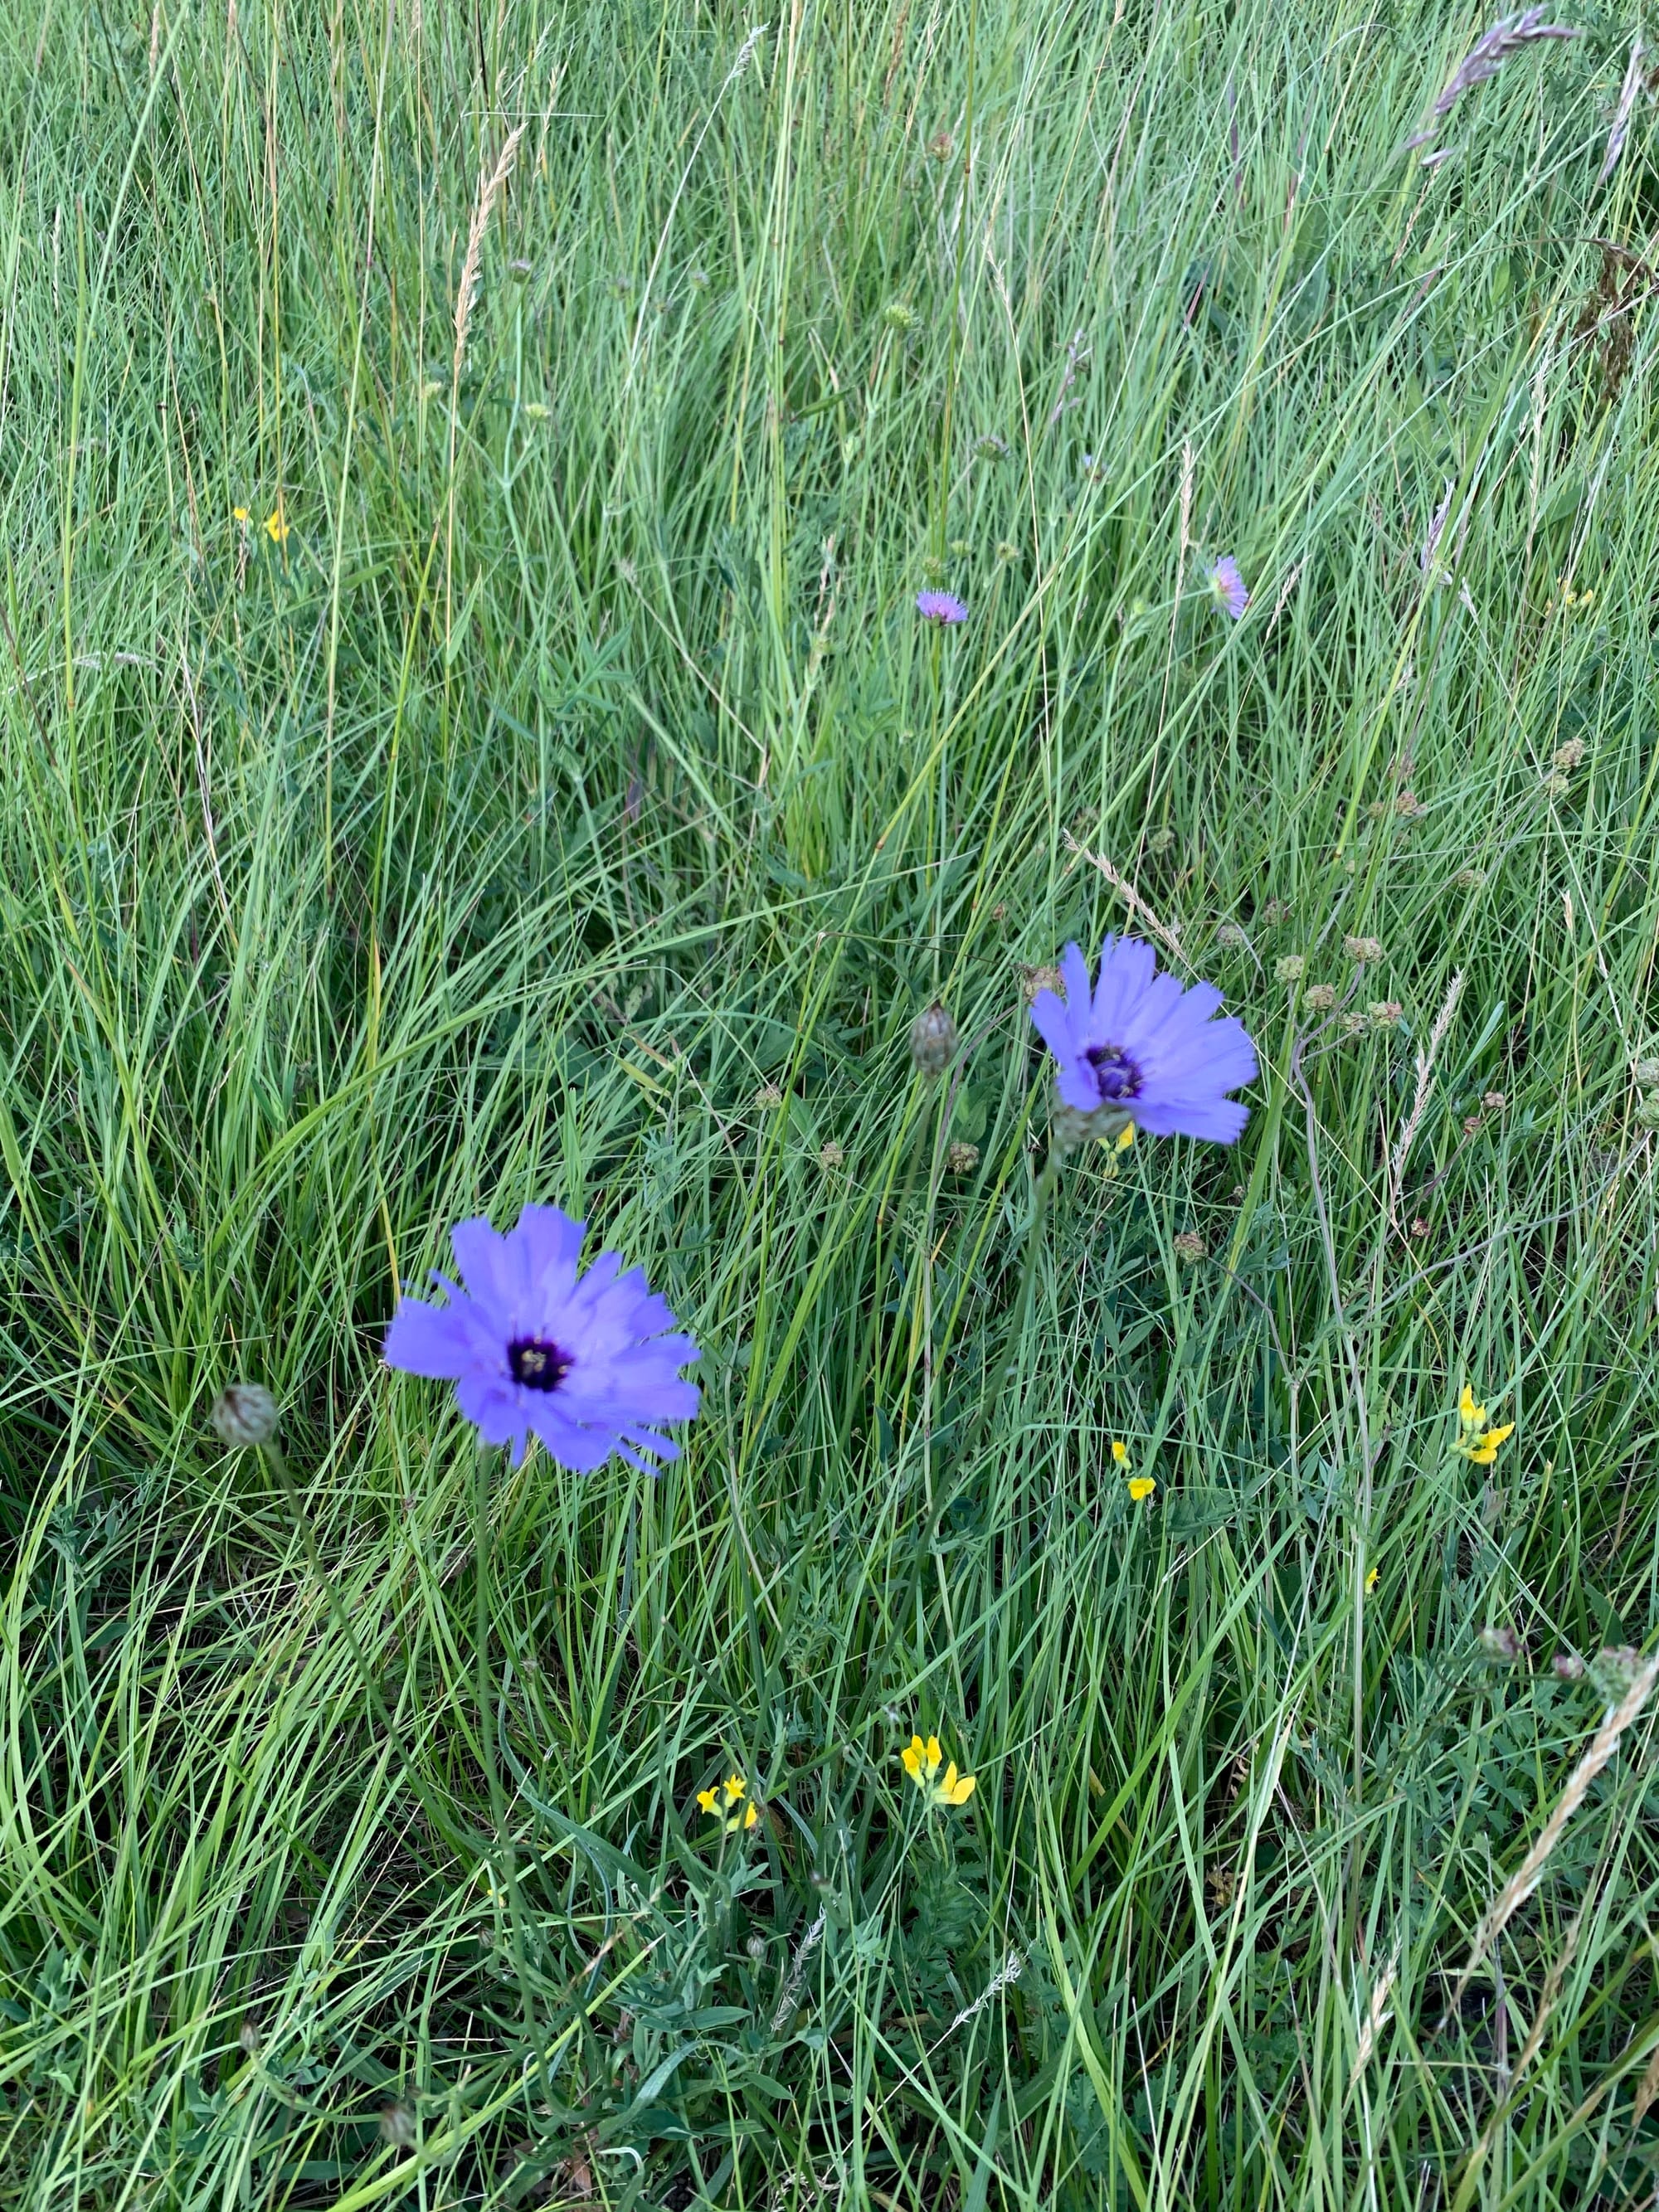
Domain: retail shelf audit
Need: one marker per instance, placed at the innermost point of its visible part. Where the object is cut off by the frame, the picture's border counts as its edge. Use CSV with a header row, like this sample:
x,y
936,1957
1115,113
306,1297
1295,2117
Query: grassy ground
x,y
559,800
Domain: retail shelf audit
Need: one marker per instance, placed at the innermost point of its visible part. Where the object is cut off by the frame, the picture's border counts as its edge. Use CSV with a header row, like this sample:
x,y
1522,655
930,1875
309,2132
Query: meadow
x,y
469,740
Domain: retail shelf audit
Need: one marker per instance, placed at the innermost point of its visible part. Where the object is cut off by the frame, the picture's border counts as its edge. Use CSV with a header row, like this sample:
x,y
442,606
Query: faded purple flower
x,y
589,1364
1227,587
942,607
1142,1045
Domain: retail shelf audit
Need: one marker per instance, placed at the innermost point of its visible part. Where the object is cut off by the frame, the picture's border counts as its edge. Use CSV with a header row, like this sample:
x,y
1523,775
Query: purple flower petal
x,y
587,1362
1143,1046
1228,586
941,607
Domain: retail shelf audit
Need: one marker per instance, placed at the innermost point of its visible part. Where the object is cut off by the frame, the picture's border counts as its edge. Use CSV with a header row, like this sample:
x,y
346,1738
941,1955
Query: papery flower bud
x,y
933,1040
244,1414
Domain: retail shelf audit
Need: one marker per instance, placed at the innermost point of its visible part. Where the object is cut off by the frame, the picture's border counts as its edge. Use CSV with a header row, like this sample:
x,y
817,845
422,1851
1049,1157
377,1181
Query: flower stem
x,y
271,1452
1040,1192
502,1834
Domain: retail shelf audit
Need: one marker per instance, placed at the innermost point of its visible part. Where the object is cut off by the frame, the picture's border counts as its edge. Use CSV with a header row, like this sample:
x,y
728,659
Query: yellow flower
x,y
277,526
1120,1453
739,1810
922,1762
1126,1137
1141,1487
1476,1442
1370,1579
239,514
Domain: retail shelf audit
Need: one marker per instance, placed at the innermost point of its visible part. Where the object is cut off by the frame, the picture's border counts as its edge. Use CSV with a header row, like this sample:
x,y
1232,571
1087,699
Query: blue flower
x,y
1144,1047
587,1363
1227,588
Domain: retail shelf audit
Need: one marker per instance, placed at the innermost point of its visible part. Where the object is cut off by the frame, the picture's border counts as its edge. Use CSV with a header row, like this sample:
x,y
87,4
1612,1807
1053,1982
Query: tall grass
x,y
559,800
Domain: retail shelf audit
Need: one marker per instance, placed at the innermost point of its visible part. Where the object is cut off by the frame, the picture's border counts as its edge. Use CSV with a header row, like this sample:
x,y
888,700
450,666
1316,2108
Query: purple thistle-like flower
x,y
589,1363
941,607
1143,1046
1228,587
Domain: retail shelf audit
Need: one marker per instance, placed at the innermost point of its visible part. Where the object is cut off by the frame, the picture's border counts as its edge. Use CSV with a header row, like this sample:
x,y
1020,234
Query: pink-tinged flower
x,y
589,1363
942,607
1227,587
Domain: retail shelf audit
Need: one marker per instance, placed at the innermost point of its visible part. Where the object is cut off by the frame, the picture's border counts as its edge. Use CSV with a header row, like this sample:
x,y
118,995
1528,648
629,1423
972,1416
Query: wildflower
x,y
1120,1453
1352,1024
942,607
244,1414
1646,1072
1567,757
1191,1247
1038,979
1501,1644
1005,552
1231,937
1289,969
1094,471
990,448
1471,1125
1370,1580
1475,1441
898,317
1227,587
739,1809
697,279
1409,807
1492,1101
1320,998
587,1363
960,1158
1160,841
831,1156
933,1040
958,548
921,1763
1360,949
939,145
241,514
1555,786
1273,913
276,525
1567,1667
769,1095
1144,1048
1470,879
1141,1487
537,409
1647,1110
1385,1013
1420,1226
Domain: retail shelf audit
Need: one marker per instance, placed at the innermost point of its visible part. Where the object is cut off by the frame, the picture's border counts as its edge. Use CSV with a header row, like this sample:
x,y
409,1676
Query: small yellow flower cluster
x,y
1141,1486
922,1762
1476,1442
1584,601
739,1810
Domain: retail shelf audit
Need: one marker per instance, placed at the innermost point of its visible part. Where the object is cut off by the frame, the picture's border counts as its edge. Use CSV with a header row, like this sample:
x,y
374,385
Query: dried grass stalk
x,y
1130,897
1526,1878
490,188
1426,1060
1622,114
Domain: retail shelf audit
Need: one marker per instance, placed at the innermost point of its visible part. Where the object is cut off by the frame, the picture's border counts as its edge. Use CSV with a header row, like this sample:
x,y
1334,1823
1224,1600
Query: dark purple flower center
x,y
1114,1071
537,1362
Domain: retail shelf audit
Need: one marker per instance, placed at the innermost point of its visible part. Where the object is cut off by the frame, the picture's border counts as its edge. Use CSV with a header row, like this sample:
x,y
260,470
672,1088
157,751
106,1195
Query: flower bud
x,y
1289,969
1360,949
961,1159
1568,1666
933,1040
1231,937
244,1414
1320,997
1385,1013
756,1948
1190,1246
1647,1074
1501,1644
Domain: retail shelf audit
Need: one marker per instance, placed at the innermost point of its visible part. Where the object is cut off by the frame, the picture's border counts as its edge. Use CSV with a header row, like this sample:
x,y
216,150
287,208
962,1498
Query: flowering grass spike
x,y
590,1362
921,1763
942,607
1141,1045
1228,589
1475,1441
739,1810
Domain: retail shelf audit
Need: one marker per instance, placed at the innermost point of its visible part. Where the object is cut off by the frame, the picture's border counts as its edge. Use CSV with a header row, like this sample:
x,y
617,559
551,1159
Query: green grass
x,y
572,809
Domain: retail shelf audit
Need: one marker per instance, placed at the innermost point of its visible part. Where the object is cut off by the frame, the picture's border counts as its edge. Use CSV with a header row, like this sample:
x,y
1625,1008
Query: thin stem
x,y
270,1451
1040,1195
503,1840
